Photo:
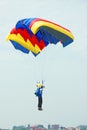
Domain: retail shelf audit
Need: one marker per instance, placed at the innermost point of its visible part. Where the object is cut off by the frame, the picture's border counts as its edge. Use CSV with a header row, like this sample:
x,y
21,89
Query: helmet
x,y
39,85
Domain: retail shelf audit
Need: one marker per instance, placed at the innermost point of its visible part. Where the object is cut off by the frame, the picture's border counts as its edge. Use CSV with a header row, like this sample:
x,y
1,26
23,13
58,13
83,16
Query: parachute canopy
x,y
34,34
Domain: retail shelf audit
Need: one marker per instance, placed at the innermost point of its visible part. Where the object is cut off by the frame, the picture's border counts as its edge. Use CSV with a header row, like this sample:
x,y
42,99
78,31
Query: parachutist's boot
x,y
39,108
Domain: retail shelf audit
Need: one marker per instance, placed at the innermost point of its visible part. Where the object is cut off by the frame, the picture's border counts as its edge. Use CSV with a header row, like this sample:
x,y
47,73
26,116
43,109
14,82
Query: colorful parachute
x,y
34,34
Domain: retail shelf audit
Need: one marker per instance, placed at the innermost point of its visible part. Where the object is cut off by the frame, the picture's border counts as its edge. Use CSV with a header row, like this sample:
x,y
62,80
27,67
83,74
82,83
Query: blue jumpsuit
x,y
39,94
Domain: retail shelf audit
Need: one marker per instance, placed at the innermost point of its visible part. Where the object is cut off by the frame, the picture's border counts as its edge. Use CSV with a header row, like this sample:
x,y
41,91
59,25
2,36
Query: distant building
x,y
49,127
4,129
55,127
38,127
71,128
21,127
81,127
62,128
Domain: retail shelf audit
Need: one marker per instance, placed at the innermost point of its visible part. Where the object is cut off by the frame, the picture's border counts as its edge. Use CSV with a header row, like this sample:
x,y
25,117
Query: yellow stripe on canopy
x,y
28,45
35,27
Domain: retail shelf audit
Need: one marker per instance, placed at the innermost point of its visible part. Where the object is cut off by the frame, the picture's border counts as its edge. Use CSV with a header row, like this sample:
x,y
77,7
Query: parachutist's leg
x,y
40,103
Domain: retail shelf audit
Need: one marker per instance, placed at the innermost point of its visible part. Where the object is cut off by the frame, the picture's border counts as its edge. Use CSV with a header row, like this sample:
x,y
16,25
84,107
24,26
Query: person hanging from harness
x,y
38,93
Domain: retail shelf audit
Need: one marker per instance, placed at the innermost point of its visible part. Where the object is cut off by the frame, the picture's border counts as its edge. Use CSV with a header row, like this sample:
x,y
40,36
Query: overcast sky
x,y
64,70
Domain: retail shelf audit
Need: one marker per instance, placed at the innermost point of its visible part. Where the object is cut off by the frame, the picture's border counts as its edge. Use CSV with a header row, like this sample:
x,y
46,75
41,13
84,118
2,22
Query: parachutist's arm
x,y
43,86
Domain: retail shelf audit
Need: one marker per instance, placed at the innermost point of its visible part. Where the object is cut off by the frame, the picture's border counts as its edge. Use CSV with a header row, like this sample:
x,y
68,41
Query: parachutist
x,y
38,93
